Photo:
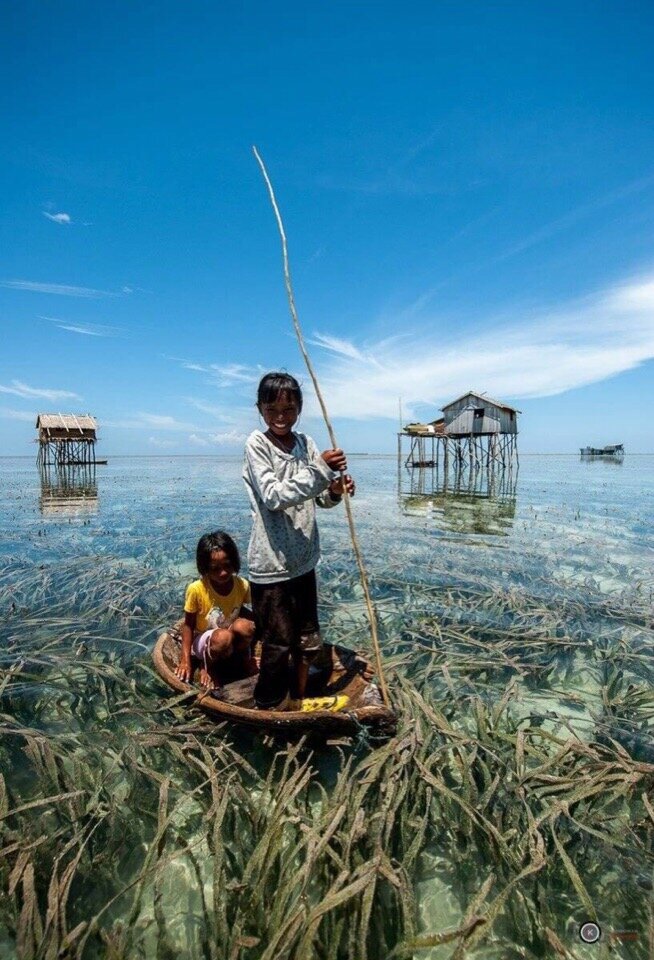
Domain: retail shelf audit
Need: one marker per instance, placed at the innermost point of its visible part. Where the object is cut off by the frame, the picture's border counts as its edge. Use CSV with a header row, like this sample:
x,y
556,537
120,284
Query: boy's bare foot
x,y
252,667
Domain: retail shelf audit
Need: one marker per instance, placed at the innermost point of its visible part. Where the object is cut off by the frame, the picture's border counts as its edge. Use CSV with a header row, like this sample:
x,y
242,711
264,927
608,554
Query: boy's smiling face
x,y
280,416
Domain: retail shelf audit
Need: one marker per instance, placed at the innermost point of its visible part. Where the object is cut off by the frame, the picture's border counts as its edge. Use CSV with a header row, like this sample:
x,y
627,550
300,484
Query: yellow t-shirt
x,y
212,609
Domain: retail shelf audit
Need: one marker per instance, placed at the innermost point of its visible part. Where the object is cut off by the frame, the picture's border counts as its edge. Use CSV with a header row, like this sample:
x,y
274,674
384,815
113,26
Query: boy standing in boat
x,y
285,476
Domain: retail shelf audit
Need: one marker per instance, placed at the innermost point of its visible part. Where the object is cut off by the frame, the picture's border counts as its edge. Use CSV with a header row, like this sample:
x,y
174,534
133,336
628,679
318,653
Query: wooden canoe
x,y
340,673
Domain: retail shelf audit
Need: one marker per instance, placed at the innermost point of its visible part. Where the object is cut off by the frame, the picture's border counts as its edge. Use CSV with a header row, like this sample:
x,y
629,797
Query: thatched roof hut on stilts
x,y
66,439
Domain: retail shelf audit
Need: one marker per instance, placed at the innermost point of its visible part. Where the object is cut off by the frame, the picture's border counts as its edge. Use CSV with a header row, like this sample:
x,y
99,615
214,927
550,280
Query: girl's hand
x,y
336,486
335,459
183,669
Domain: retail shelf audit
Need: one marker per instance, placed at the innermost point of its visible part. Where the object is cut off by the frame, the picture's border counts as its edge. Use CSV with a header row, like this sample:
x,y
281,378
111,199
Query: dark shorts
x,y
286,621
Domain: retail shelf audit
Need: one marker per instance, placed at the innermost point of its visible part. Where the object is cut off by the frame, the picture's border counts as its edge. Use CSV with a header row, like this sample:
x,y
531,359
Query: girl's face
x,y
280,416
221,572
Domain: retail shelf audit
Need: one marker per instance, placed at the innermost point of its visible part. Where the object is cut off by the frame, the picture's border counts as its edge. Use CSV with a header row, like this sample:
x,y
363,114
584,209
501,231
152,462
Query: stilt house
x,y
474,431
477,414
66,438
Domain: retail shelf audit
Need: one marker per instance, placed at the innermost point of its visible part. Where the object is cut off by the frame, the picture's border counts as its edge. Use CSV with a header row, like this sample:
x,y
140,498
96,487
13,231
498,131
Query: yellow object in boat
x,y
311,704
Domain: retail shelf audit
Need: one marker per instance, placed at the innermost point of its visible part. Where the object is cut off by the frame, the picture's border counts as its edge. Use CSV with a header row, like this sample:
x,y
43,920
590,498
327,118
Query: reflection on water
x,y
68,491
466,502
615,458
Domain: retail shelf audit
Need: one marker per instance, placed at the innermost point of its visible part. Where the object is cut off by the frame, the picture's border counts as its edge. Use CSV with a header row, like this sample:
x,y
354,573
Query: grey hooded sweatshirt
x,y
283,489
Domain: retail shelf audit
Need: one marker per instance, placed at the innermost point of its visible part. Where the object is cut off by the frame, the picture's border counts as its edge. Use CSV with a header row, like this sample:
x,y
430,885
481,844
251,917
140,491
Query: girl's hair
x,y
218,540
275,383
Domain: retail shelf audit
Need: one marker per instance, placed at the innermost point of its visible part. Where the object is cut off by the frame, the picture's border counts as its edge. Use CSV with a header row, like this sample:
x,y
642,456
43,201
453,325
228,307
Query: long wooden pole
x,y
346,499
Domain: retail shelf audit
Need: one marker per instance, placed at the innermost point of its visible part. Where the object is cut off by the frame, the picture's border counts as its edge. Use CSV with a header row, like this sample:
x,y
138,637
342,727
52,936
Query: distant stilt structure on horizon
x,y
66,439
613,451
475,433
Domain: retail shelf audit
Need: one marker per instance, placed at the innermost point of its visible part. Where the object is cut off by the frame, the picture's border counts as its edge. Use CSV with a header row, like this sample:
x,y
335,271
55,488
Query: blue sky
x,y
467,189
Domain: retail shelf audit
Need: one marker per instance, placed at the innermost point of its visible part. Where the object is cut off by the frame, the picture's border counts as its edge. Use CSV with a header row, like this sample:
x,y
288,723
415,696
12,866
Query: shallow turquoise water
x,y
561,544
564,539
562,514
562,548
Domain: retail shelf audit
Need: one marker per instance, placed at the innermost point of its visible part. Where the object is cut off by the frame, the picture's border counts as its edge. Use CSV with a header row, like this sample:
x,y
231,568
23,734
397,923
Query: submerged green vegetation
x,y
515,800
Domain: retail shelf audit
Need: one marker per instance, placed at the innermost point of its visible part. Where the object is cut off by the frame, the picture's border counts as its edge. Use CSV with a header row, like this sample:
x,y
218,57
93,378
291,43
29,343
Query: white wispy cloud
x,y
87,329
161,443
556,349
216,413
189,364
223,375
20,389
188,433
572,217
233,373
337,345
154,421
8,414
236,421
161,421
228,437
57,217
60,289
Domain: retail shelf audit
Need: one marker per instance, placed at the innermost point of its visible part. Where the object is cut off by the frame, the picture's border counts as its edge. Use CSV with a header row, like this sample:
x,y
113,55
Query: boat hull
x,y
364,707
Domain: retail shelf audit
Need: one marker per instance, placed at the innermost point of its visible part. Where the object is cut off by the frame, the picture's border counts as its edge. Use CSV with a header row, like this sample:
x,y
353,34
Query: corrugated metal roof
x,y
481,396
66,421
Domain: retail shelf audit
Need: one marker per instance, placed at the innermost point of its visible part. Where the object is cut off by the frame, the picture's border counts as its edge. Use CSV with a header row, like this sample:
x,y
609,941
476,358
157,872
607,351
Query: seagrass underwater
x,y
511,809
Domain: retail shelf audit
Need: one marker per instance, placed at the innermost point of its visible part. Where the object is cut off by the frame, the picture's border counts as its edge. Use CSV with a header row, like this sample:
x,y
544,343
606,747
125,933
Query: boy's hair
x,y
218,540
275,383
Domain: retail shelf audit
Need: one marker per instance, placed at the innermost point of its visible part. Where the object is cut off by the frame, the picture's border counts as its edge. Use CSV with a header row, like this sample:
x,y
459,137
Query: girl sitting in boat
x,y
285,477
218,628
